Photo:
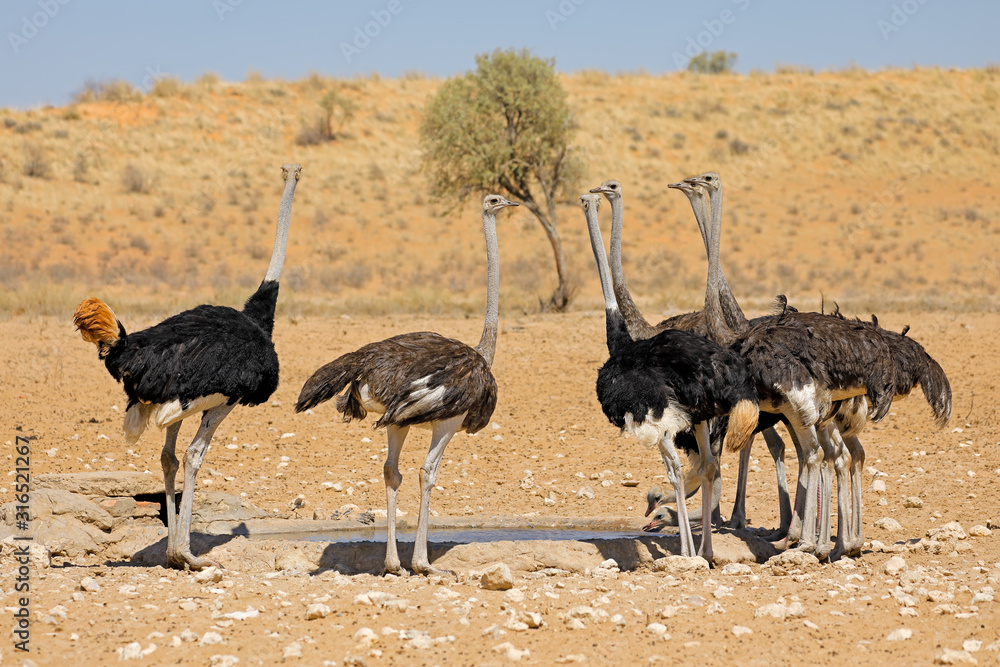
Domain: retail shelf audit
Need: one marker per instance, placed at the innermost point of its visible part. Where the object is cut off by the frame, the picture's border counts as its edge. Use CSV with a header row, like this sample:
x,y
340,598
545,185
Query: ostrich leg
x,y
441,434
707,471
673,465
390,471
168,460
179,553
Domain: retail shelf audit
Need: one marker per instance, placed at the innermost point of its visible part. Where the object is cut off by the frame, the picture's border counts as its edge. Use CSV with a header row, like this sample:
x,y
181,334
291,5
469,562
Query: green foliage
x,y
337,109
717,62
505,128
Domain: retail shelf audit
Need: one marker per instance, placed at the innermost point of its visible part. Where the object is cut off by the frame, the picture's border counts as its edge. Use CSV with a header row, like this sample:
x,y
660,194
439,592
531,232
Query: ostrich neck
x,y
617,332
719,297
731,310
637,325
281,235
488,341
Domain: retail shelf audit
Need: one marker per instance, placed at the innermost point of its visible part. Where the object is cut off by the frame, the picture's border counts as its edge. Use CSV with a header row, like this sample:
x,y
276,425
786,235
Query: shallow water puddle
x,y
456,535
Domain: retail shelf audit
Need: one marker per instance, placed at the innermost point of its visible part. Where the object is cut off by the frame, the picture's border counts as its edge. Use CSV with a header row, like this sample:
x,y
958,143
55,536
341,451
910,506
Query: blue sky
x,y
50,47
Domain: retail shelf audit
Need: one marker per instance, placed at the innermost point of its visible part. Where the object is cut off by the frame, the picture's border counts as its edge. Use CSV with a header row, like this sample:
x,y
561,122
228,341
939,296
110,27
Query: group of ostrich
x,y
698,382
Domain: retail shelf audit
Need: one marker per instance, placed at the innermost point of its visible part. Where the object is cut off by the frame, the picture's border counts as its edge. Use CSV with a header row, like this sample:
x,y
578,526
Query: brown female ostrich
x,y
424,380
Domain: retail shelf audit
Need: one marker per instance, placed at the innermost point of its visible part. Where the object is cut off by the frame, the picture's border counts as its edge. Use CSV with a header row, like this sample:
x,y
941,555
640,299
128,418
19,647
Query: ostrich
x,y
639,328
204,360
802,364
419,379
675,381
911,366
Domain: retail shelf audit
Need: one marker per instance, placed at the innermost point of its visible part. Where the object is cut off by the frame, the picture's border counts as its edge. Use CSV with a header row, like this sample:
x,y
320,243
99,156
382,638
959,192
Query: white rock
x,y
972,645
223,660
366,636
952,657
618,620
532,619
951,530
736,569
90,585
210,638
740,630
242,615
514,595
131,651
980,531
878,486
293,650
899,634
680,564
888,524
792,562
656,628
189,636
511,653
210,574
497,578
575,624
586,493
317,610
913,501
894,566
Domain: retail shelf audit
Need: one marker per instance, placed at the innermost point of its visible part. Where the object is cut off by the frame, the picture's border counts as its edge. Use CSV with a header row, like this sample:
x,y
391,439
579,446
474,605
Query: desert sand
x,y
869,189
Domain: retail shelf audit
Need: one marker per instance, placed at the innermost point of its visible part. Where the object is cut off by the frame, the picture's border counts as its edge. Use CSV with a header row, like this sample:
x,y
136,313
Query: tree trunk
x,y
561,296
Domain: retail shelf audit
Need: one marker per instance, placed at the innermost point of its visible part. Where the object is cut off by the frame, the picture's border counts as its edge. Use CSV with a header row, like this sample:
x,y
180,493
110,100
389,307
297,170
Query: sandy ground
x,y
548,422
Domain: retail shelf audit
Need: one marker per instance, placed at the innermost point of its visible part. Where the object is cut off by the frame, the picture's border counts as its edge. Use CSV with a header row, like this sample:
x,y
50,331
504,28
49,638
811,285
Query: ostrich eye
x,y
708,178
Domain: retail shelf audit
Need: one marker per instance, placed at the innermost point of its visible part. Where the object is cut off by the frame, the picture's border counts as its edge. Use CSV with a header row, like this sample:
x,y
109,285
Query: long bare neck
x,y
617,332
488,341
281,235
718,329
731,310
637,325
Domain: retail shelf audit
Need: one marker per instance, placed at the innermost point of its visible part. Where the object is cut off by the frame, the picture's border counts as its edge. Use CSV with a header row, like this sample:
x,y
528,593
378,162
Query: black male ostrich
x,y
639,328
675,381
205,360
419,379
802,365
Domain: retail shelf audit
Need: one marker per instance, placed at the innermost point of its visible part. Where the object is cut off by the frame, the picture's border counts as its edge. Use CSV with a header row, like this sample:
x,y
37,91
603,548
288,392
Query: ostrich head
x,y
291,170
590,202
494,203
609,189
662,517
709,180
656,497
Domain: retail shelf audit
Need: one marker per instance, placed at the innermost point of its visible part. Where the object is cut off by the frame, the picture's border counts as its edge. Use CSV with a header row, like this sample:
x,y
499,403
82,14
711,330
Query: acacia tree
x,y
506,127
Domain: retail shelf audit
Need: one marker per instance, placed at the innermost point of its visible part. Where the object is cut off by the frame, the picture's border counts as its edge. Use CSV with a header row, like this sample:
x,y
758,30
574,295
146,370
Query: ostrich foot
x,y
737,521
394,568
775,535
786,542
185,560
428,571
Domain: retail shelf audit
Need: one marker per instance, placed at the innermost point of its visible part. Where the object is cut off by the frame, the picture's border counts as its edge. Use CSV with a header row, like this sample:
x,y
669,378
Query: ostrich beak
x,y
683,185
599,190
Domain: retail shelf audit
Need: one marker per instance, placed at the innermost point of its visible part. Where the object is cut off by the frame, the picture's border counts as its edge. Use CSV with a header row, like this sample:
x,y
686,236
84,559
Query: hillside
x,y
872,189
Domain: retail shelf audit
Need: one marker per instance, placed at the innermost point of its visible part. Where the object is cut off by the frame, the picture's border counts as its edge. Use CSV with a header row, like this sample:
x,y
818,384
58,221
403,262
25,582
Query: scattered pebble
x,y
888,524
740,630
894,566
899,634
